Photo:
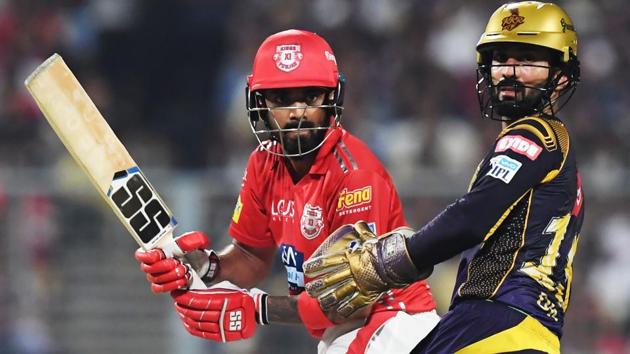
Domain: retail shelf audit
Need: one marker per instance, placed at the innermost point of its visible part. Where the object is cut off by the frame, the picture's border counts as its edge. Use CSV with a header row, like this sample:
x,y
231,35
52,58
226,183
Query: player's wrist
x,y
210,268
260,304
394,265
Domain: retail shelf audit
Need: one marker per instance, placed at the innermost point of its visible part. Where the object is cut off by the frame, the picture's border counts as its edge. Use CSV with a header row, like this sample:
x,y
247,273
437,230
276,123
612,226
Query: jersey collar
x,y
325,151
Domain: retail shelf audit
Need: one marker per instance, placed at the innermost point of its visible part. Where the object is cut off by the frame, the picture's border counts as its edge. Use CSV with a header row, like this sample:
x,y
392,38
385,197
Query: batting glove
x,y
222,313
166,272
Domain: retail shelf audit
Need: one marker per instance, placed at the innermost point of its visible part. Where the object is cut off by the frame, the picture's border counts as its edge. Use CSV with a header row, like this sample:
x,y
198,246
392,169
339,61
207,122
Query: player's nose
x,y
298,110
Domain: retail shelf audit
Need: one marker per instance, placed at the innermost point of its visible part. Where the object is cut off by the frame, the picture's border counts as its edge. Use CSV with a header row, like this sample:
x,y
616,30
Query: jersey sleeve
x,y
249,223
370,197
519,160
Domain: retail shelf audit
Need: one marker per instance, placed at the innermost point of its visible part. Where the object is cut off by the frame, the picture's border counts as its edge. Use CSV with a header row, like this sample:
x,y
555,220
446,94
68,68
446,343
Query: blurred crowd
x,y
169,76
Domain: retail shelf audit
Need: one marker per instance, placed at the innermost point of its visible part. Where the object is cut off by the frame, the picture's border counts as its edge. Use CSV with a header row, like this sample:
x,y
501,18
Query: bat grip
x,y
197,283
171,249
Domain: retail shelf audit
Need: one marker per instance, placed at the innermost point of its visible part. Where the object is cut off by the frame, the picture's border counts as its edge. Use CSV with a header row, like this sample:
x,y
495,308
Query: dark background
x,y
169,77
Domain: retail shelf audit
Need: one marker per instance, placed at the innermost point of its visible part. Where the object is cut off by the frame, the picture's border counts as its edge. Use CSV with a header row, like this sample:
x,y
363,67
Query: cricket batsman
x,y
307,178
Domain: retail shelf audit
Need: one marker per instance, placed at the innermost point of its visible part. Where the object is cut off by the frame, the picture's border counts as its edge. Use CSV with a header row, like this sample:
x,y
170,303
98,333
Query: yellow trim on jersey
x,y
492,231
555,134
568,270
528,334
563,136
548,137
507,212
529,208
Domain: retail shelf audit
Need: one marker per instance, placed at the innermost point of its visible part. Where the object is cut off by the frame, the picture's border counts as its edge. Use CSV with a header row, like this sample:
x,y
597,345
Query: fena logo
x,y
520,145
503,168
349,199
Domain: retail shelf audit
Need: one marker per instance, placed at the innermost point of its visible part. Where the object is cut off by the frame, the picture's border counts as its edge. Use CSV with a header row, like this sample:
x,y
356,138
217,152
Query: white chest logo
x,y
312,221
288,57
520,145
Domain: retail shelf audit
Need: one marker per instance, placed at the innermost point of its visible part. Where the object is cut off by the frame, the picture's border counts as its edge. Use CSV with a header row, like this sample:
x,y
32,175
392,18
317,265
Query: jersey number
x,y
542,272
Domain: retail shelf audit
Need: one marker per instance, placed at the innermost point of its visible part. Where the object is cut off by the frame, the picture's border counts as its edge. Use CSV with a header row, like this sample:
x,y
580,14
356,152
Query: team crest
x,y
312,221
511,22
288,57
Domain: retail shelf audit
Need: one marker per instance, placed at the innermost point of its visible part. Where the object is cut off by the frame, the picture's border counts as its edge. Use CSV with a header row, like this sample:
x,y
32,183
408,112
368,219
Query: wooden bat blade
x,y
94,146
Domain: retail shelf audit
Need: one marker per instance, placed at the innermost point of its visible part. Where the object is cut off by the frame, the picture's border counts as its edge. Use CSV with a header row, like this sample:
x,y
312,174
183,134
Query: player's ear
x,y
563,81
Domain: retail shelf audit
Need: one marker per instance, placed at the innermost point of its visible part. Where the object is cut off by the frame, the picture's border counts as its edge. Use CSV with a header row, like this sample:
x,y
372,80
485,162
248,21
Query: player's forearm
x,y
243,266
283,310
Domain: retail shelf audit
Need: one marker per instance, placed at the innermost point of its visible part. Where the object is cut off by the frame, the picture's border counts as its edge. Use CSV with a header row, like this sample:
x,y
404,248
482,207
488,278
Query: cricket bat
x,y
94,146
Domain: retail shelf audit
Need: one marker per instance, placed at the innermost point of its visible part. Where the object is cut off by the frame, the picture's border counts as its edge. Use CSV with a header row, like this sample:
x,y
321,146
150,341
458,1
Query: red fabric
x,y
312,315
296,217
272,206
360,342
201,311
294,58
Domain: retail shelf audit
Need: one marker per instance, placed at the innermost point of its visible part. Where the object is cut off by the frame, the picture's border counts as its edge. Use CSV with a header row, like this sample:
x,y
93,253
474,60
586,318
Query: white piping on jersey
x,y
345,149
341,163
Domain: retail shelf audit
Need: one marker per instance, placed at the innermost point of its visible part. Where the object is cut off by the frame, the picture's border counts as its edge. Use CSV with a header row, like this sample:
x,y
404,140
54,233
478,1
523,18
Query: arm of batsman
x,y
353,268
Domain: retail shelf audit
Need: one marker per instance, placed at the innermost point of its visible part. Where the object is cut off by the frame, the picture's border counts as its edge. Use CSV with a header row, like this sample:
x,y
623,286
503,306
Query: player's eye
x,y
313,98
277,100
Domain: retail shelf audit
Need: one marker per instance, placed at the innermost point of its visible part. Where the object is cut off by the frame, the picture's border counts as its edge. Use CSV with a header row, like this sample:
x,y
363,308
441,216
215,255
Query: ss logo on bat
x,y
139,204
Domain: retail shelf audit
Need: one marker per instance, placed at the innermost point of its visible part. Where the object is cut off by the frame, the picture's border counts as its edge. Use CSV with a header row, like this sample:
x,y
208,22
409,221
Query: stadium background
x,y
169,77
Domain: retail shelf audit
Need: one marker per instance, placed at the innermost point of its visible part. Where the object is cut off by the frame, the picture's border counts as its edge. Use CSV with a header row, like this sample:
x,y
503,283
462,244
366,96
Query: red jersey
x,y
346,184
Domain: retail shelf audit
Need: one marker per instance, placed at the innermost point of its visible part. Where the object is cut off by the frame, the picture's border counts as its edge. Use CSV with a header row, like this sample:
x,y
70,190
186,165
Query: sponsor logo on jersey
x,y
237,210
288,57
349,199
504,168
292,259
282,209
354,201
520,145
511,22
312,221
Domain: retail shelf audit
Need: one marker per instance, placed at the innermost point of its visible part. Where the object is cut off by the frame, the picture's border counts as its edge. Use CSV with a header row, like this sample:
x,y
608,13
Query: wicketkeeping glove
x,y
222,313
353,268
166,272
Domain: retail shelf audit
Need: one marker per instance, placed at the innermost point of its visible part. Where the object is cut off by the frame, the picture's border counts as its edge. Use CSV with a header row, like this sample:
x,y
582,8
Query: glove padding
x,y
353,268
166,272
223,313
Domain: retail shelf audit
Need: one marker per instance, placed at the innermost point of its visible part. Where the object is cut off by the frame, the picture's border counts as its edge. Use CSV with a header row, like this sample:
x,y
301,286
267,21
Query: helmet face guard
x,y
266,128
528,99
528,23
288,60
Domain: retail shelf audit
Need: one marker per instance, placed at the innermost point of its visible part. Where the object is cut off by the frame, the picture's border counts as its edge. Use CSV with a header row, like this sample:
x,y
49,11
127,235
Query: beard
x,y
296,142
526,100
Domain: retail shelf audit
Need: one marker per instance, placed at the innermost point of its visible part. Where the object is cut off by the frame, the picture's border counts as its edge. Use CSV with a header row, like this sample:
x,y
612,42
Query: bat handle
x,y
197,283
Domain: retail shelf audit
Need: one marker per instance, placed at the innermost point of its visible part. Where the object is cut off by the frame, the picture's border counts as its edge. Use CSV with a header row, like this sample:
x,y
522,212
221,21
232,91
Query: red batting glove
x,y
221,314
167,273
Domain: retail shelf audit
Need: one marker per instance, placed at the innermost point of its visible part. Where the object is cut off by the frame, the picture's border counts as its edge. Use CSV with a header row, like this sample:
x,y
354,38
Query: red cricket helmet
x,y
292,59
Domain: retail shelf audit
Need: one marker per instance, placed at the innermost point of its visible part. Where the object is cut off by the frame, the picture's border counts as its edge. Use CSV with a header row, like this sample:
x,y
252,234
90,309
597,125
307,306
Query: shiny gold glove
x,y
353,268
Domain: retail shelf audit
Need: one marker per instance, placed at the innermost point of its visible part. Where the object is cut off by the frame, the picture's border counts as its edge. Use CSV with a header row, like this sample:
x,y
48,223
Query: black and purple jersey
x,y
518,226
